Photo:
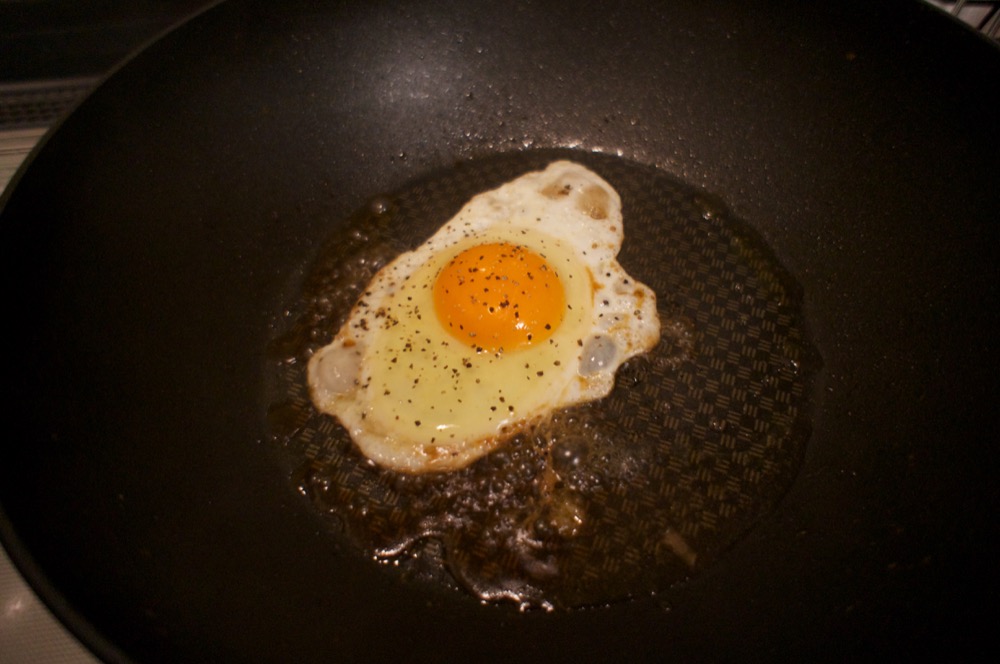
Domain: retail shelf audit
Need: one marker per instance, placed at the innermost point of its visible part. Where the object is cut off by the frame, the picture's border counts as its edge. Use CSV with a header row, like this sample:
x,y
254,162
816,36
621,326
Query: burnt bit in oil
x,y
599,502
594,202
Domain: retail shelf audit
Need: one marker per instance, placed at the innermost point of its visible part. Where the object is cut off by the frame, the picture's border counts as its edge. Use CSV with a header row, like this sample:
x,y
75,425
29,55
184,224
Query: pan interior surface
x,y
601,502
151,470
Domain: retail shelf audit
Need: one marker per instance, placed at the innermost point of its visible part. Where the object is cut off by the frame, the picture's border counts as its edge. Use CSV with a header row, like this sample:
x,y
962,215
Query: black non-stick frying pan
x,y
155,237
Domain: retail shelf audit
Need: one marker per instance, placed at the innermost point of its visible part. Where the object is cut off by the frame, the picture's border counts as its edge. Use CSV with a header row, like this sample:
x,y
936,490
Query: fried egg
x,y
514,308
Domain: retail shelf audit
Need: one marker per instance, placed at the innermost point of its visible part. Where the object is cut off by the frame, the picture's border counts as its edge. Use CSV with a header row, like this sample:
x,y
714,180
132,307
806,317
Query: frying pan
x,y
155,233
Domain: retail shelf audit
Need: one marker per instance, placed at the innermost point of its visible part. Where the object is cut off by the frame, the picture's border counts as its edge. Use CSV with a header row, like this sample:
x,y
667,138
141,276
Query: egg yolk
x,y
499,296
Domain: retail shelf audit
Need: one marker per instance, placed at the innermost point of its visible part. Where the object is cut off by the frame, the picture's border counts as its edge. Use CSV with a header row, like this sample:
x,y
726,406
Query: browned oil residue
x,y
600,502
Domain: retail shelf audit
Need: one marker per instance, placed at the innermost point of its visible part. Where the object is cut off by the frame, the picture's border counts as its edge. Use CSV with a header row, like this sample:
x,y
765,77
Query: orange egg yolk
x,y
499,296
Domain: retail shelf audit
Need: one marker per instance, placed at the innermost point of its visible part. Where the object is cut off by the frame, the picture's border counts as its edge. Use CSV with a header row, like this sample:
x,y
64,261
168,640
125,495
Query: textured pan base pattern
x,y
604,501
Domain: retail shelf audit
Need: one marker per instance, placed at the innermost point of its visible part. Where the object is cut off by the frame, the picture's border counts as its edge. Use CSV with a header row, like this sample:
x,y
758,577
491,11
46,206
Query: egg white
x,y
416,399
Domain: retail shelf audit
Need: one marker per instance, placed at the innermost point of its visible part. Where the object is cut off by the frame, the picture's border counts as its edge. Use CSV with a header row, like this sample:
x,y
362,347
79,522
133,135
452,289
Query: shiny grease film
x,y
603,501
